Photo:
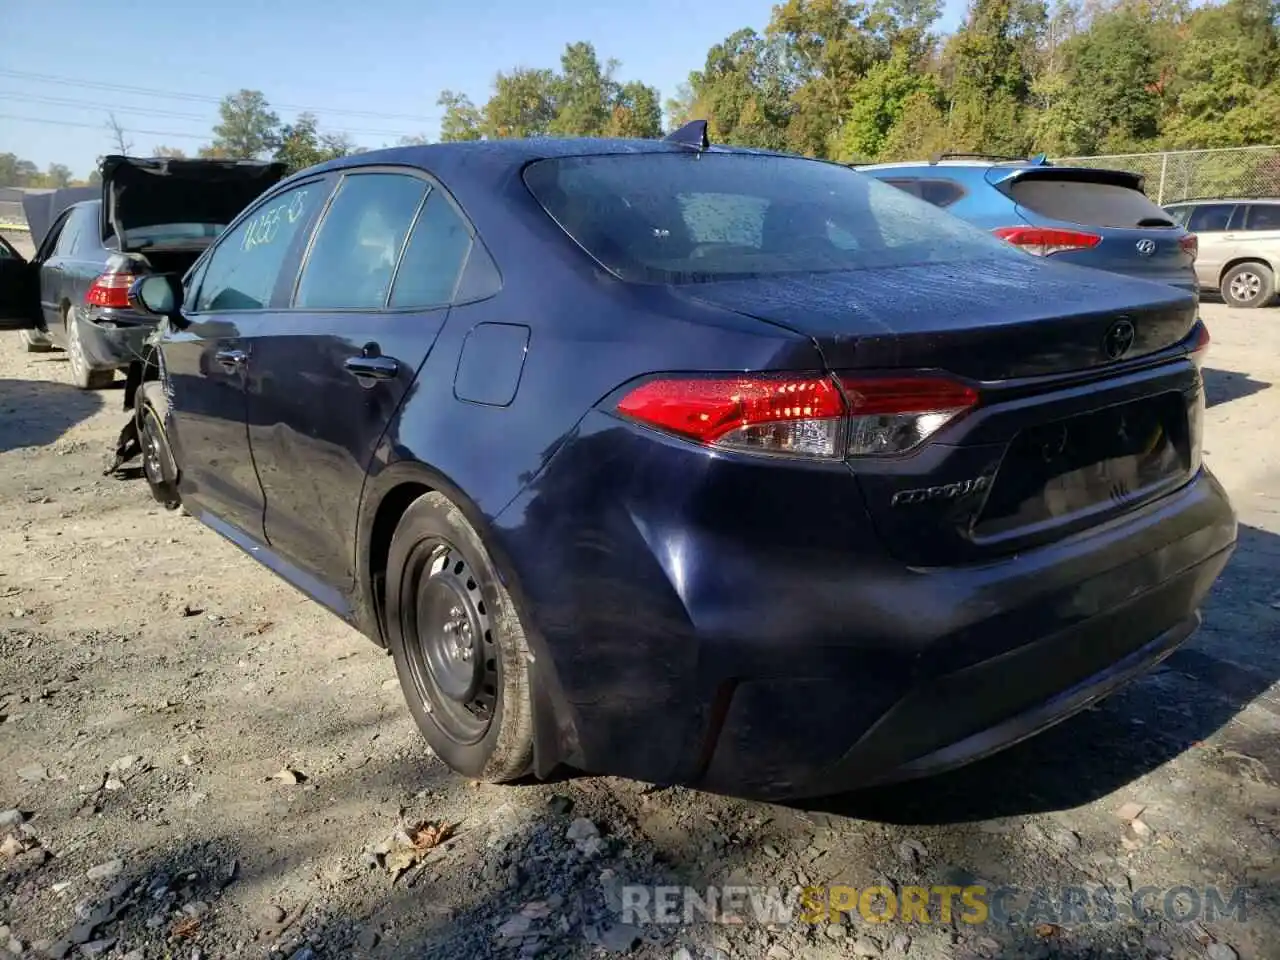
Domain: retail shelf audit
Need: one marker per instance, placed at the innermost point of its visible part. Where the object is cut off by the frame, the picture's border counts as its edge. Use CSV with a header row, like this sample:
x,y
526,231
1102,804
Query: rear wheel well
x,y
1231,265
390,510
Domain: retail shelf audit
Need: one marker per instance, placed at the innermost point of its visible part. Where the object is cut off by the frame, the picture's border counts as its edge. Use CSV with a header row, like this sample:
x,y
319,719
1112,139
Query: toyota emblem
x,y
1146,247
1118,339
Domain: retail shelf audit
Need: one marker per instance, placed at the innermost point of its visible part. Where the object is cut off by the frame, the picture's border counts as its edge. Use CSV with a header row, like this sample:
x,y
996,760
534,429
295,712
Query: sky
x,y
372,69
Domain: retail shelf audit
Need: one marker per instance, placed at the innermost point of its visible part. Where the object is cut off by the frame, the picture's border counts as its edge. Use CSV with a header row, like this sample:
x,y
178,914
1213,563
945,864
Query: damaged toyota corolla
x,y
691,464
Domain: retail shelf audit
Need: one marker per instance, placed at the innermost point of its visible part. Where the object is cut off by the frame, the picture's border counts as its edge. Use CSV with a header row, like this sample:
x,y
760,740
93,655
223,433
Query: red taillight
x,y
1190,244
801,415
1044,241
1200,342
110,290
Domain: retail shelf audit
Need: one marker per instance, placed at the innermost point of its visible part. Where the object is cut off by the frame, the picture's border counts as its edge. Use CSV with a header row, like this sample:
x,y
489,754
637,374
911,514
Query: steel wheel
x,y
458,643
156,460
456,667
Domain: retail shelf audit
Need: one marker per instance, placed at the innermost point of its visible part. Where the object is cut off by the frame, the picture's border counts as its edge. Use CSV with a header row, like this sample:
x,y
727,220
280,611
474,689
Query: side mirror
x,y
159,294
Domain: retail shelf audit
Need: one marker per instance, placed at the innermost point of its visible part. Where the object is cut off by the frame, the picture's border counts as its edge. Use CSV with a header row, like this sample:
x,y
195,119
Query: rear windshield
x,y
685,218
1088,203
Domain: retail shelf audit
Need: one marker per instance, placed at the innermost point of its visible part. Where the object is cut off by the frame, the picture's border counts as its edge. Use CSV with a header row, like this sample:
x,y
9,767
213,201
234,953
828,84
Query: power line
x,y
109,107
166,114
98,126
204,98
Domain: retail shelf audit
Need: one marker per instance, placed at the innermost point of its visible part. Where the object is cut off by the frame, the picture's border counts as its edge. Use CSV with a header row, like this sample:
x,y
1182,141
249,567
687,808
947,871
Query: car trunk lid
x,y
142,193
1070,428
998,319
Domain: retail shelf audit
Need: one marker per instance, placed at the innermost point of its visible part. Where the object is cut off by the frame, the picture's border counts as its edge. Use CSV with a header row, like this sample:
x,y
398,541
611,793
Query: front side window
x,y
684,218
357,245
1210,218
242,270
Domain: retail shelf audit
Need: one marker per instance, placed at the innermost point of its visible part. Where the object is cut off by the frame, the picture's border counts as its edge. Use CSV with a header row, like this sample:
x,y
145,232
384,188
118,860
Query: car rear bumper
x,y
790,667
111,341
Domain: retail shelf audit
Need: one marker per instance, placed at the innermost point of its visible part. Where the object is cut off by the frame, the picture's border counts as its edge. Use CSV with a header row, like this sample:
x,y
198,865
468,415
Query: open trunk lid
x,y
139,194
42,207
998,319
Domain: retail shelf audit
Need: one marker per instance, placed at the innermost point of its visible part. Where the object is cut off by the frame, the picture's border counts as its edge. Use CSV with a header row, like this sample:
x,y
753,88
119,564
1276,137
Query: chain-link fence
x,y
1195,174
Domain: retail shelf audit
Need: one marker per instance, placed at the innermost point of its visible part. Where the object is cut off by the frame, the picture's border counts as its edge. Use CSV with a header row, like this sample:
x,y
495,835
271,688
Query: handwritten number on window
x,y
265,227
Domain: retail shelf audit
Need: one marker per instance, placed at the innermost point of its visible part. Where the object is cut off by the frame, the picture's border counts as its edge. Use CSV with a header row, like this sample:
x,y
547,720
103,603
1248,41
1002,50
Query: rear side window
x,y
941,193
242,270
1179,214
358,243
438,246
1088,203
1210,217
70,235
1263,216
687,217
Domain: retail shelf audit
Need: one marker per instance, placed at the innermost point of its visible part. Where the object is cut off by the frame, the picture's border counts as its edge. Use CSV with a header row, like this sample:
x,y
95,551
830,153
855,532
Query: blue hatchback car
x,y
1082,215
694,465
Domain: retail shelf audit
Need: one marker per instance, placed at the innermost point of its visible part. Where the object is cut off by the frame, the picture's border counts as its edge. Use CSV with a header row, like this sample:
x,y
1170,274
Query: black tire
x,y
36,341
158,465
458,644
81,375
1248,285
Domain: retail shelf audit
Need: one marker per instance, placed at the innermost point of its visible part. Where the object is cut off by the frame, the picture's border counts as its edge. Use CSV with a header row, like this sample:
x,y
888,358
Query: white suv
x,y
1239,246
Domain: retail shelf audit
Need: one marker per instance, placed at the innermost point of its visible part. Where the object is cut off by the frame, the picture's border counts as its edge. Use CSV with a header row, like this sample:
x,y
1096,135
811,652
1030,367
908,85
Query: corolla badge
x,y
1118,339
1146,247
946,491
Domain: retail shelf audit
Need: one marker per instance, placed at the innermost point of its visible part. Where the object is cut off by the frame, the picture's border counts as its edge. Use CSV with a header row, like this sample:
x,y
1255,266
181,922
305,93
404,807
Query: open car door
x,y
19,290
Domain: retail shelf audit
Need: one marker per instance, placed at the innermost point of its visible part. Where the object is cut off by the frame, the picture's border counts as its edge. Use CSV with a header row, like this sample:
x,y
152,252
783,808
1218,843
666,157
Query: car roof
x,y
1184,203
518,152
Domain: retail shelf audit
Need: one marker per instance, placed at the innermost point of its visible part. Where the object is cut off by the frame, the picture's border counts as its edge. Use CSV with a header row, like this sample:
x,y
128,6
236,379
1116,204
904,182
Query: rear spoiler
x,y
1005,176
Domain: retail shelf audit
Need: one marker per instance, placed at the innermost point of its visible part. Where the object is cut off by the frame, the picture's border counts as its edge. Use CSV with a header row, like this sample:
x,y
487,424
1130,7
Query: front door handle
x,y
376,368
231,360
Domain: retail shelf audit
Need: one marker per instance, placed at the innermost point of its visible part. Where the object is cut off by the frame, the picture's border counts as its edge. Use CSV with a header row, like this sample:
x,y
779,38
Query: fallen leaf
x,y
1046,930
12,846
428,835
185,929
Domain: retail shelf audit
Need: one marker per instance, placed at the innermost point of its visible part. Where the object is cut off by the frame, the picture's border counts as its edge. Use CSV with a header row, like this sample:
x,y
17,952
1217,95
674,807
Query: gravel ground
x,y
197,762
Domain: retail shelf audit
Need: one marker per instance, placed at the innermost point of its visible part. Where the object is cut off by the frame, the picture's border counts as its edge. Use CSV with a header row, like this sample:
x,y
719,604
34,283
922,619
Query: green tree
x,y
583,93
635,112
992,62
163,151
920,131
522,104
16,172
876,104
58,175
462,120
1228,77
301,144
741,91
247,128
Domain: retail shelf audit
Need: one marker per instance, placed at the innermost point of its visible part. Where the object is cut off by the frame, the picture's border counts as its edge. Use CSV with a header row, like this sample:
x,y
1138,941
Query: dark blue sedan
x,y
688,464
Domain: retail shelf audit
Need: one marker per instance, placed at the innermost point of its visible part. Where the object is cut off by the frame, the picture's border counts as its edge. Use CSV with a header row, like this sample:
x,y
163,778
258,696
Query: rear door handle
x,y
231,359
376,368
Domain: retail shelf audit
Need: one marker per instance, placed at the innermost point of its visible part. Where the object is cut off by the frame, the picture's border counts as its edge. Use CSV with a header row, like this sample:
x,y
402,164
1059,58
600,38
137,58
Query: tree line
x,y
873,80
